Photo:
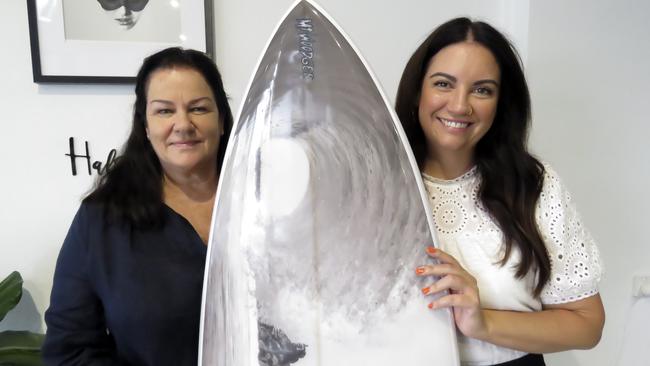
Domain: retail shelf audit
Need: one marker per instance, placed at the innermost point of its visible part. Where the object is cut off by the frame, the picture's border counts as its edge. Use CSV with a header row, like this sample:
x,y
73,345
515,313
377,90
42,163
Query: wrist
x,y
485,331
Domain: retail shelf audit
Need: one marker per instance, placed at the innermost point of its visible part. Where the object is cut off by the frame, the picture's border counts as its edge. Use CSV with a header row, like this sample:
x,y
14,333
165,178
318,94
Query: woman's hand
x,y
556,328
462,295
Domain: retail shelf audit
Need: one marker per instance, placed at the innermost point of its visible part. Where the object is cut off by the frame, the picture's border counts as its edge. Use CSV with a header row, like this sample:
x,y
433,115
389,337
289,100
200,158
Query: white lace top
x,y
467,231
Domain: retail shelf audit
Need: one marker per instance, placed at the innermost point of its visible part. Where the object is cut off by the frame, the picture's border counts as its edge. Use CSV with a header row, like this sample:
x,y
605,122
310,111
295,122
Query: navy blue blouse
x,y
124,296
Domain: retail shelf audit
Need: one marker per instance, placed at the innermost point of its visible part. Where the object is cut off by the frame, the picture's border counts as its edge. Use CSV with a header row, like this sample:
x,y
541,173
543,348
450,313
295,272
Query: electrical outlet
x,y
641,286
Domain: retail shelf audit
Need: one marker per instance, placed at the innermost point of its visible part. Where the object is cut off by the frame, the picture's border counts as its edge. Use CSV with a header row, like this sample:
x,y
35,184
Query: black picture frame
x,y
105,76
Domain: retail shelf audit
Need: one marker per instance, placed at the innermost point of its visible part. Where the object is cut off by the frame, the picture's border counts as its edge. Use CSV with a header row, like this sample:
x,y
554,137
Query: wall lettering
x,y
98,166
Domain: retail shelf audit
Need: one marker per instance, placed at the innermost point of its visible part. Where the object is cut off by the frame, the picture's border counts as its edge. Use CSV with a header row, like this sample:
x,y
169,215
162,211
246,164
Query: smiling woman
x,y
458,102
513,260
183,123
128,281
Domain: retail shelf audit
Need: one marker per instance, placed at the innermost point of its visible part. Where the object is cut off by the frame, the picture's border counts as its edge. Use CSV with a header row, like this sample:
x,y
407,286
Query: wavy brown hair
x,y
511,178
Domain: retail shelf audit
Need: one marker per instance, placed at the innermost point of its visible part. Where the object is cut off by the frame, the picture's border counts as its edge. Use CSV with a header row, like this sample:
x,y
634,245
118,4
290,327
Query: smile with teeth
x,y
453,124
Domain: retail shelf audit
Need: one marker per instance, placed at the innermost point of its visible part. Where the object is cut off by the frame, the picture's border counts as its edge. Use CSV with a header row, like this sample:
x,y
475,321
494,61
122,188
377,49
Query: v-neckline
x,y
189,225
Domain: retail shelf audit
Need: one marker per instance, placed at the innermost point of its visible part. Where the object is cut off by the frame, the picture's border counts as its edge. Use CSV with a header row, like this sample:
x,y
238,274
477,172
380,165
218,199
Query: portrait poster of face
x,y
123,20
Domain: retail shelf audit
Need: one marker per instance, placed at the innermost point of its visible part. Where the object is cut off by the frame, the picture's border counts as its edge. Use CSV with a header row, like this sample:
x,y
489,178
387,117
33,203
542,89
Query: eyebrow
x,y
193,101
486,81
453,79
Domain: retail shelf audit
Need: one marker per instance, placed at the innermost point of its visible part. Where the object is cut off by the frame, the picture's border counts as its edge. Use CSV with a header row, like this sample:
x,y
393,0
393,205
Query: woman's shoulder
x,y
555,202
90,212
81,239
87,219
92,221
549,170
552,186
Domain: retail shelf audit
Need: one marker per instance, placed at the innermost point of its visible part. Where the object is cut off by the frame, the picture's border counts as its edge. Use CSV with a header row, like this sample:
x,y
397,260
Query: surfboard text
x,y
306,47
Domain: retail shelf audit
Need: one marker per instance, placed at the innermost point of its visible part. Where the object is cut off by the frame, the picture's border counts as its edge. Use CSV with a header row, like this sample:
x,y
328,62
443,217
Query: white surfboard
x,y
320,218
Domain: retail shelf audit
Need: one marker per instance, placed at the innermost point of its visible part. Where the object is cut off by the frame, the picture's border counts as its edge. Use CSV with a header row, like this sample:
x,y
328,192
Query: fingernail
x,y
431,250
426,290
419,270
430,306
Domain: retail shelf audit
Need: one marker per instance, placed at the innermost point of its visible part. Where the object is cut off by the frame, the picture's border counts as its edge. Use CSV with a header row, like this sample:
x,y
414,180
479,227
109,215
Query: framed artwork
x,y
105,41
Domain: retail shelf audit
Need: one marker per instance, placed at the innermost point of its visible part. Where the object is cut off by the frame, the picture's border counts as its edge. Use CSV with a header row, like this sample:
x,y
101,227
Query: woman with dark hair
x,y
514,262
128,281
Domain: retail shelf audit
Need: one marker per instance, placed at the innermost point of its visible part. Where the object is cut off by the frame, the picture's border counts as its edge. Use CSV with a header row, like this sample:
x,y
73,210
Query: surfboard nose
x,y
320,216
309,59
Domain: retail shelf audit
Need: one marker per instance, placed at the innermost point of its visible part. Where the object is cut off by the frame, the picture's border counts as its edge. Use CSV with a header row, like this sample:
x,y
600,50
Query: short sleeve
x,y
575,260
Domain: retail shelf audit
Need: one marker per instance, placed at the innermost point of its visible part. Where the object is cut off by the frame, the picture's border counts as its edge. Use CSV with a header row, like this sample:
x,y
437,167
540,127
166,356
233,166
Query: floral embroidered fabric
x,y
460,218
467,231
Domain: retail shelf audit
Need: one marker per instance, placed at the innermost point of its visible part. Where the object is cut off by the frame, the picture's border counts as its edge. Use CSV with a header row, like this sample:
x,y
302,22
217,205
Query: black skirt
x,y
528,360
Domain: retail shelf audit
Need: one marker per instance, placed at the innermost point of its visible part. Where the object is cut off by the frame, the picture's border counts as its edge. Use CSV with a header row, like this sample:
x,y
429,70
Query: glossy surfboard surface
x,y
320,219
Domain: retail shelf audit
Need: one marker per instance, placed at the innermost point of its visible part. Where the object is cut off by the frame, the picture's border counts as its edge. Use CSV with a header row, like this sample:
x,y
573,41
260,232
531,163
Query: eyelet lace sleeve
x,y
575,260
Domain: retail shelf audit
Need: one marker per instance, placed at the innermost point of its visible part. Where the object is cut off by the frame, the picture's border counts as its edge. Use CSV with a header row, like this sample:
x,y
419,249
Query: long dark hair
x,y
511,178
131,189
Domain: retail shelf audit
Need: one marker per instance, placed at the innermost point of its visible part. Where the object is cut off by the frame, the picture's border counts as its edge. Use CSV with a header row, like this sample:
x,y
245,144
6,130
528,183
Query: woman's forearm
x,y
556,328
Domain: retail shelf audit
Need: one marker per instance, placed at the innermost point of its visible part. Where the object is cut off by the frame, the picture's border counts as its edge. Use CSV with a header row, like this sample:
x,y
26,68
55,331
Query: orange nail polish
x,y
426,290
430,306
431,250
419,270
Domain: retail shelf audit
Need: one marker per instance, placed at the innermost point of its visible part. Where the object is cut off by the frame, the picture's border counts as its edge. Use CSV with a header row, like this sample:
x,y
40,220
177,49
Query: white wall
x,y
589,78
386,33
40,195
586,74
